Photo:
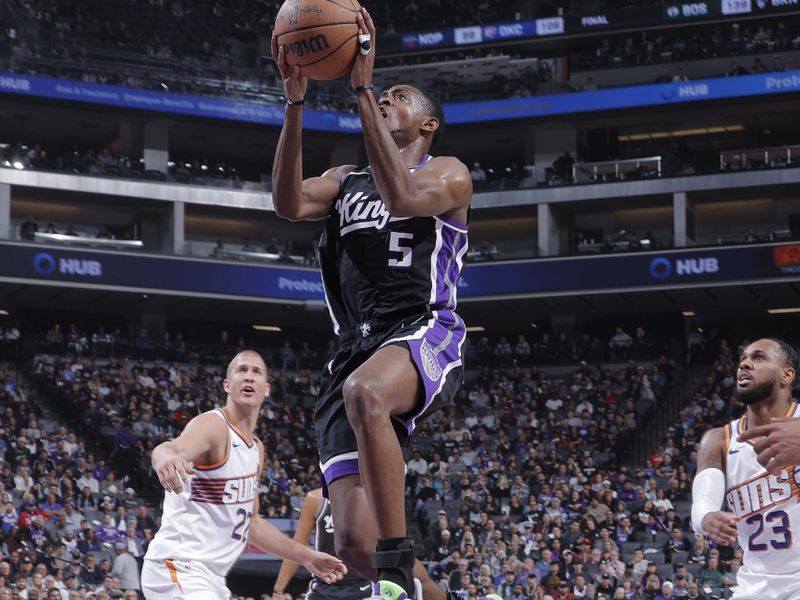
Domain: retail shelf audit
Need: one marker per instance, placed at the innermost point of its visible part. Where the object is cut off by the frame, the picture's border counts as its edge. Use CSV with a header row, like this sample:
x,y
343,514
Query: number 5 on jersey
x,y
400,243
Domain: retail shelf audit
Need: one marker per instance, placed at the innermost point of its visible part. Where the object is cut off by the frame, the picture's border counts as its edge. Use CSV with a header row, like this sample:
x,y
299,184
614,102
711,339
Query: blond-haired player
x,y
764,508
211,474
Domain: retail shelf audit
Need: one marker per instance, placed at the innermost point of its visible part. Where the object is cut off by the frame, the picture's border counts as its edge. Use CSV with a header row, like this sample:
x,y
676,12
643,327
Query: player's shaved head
x,y
242,355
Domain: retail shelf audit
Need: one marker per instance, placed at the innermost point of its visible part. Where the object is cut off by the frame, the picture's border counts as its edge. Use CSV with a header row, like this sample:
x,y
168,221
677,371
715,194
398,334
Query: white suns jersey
x,y
209,520
767,507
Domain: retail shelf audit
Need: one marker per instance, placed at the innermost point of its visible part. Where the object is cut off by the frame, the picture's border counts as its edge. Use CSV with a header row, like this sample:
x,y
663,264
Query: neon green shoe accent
x,y
390,591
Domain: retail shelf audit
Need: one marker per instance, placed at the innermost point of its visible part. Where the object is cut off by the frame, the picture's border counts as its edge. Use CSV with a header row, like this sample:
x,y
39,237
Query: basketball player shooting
x,y
211,474
391,255
765,514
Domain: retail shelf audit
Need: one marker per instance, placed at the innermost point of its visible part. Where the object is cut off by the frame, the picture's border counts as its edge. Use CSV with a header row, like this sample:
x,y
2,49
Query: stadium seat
x,y
680,557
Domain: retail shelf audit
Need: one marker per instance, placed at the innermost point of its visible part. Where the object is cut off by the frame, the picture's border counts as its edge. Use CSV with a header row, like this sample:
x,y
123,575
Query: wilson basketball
x,y
319,35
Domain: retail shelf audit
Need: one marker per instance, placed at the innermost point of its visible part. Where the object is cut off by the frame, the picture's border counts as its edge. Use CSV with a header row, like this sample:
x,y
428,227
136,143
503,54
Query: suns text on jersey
x,y
240,490
763,492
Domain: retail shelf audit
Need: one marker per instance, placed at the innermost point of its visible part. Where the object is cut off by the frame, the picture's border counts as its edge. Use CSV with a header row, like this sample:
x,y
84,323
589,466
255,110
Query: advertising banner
x,y
65,266
461,113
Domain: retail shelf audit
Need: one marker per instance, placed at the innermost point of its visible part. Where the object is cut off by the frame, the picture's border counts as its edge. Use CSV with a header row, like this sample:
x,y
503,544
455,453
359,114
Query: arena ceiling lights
x,y
660,135
783,311
273,328
3,313
476,329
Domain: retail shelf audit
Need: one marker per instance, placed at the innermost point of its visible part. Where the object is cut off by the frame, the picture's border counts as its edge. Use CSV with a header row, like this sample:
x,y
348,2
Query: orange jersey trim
x,y
173,573
741,428
245,438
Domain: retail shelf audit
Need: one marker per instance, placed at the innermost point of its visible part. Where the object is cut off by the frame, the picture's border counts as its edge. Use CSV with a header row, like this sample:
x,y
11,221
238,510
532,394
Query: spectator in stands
x,y
710,576
562,167
736,69
666,591
106,531
219,249
125,567
620,343
680,76
478,176
28,229
103,233
71,231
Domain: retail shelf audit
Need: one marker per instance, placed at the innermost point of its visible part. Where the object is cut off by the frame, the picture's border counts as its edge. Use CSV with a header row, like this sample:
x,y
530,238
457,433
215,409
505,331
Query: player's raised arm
x,y
202,441
403,116
293,198
305,527
708,490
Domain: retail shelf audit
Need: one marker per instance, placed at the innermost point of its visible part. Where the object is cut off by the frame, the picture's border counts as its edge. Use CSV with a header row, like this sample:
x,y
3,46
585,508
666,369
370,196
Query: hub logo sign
x,y
662,268
46,264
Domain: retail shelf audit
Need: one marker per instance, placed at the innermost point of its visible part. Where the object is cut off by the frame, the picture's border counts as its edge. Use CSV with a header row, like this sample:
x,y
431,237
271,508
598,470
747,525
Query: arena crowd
x,y
525,487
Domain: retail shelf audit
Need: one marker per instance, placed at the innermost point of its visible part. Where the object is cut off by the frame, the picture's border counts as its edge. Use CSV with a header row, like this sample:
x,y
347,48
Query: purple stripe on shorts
x,y
433,359
341,469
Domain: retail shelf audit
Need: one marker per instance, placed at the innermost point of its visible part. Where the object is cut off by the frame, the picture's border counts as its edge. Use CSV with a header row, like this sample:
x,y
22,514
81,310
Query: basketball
x,y
319,35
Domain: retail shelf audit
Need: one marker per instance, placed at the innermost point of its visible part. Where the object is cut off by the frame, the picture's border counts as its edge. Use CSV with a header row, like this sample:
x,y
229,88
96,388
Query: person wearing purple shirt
x,y
100,470
526,570
666,592
624,531
628,492
106,532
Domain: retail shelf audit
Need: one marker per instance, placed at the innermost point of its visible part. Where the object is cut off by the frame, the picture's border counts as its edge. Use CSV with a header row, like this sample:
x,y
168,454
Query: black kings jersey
x,y
374,265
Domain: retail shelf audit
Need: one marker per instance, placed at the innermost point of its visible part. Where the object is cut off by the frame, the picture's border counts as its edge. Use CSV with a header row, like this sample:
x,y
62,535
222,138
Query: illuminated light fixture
x,y
688,313
3,313
660,135
18,165
267,328
476,329
534,325
783,311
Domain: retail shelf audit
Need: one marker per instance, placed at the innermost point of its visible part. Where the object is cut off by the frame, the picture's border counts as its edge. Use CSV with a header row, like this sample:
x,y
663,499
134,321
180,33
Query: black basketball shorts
x,y
434,339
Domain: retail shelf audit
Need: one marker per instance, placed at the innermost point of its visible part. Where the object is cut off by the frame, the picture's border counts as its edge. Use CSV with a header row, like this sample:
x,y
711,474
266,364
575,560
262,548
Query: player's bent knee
x,y
354,555
362,402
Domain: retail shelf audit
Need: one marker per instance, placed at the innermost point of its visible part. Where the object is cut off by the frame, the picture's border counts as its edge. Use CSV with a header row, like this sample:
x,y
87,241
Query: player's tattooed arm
x,y
711,454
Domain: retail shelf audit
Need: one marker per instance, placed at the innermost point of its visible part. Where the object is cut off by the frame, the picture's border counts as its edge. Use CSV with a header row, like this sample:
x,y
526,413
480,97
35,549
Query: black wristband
x,y
363,87
290,102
